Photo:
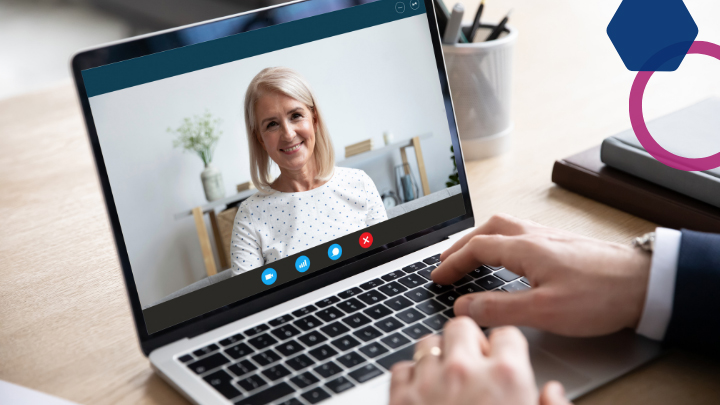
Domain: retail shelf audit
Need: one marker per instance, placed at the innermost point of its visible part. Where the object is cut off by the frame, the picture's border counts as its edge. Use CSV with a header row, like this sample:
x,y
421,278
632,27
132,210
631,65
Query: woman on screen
x,y
311,201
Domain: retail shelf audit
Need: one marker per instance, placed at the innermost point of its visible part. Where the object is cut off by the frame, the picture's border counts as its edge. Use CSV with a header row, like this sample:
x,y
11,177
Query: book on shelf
x,y
360,147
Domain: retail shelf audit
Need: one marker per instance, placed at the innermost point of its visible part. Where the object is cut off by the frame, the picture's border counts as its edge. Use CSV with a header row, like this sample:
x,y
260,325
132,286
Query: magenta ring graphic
x,y
641,131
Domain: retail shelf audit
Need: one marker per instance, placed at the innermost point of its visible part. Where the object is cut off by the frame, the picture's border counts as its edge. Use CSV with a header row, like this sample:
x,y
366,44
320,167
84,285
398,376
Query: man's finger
x,y
462,340
494,250
498,308
401,375
553,393
500,224
510,344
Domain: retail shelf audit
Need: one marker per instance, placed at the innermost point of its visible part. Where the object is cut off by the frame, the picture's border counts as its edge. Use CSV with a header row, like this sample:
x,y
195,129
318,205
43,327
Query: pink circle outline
x,y
643,134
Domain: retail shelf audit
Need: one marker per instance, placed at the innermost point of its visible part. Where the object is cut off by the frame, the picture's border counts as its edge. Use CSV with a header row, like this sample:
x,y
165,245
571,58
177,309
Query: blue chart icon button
x,y
414,4
302,264
334,252
269,276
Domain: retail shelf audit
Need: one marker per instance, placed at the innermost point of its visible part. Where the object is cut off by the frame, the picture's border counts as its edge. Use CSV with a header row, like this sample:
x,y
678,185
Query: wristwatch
x,y
645,242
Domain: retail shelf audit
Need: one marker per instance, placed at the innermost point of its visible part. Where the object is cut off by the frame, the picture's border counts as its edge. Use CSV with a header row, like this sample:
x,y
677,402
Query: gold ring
x,y
434,351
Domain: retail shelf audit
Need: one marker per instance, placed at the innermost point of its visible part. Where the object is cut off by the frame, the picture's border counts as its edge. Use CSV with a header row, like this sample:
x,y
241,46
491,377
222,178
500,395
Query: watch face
x,y
389,201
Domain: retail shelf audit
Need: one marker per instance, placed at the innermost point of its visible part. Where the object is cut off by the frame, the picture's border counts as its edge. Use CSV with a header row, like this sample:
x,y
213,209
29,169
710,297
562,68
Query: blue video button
x,y
302,264
335,251
269,276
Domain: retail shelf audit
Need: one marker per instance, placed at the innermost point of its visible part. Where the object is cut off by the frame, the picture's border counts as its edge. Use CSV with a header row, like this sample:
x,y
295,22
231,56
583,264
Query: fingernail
x,y
462,306
558,389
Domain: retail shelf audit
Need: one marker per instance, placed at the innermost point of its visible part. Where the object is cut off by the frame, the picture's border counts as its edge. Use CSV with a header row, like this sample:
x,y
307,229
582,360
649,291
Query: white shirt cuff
x,y
661,284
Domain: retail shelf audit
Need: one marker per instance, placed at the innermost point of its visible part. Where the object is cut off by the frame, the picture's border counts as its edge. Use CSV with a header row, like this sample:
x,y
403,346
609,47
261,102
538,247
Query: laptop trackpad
x,y
548,368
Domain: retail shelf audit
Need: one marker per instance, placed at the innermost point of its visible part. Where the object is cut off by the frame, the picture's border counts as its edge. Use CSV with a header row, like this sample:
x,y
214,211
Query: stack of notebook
x,y
622,174
357,148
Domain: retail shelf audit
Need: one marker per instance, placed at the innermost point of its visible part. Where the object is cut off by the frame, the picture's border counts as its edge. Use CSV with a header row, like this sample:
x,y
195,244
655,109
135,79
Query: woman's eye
x,y
296,115
271,124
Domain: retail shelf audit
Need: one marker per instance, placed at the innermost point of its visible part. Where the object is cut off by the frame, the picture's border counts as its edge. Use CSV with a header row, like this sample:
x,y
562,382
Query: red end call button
x,y
366,240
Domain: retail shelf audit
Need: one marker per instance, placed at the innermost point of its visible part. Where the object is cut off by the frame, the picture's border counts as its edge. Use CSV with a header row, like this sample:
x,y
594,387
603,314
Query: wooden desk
x,y
65,324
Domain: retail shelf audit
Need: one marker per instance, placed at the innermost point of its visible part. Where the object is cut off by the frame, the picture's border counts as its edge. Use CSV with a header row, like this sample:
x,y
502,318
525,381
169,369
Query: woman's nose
x,y
288,133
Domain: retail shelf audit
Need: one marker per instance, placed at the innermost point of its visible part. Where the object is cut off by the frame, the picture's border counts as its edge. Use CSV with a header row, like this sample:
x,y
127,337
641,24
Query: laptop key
x,y
242,368
432,260
311,339
374,349
365,373
238,351
464,280
450,313
435,322
305,379
372,284
392,289
289,348
316,395
410,315
414,267
222,382
400,355
344,343
372,297
389,324
438,289
304,311
398,303
412,281
327,302
367,333
254,331
329,314
328,369
232,339
378,311
186,358
323,352
300,362
280,320
506,275
430,307
448,298
419,294
515,286
339,385
489,282
266,358
426,272
206,350
285,332
394,275
208,363
276,372
334,329
468,288
416,331
307,323
350,360
395,340
481,271
291,401
262,341
525,280
351,305
356,320
269,395
252,383
350,293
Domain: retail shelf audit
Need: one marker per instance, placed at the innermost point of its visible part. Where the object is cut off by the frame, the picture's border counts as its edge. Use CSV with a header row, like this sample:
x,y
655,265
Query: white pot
x,y
212,183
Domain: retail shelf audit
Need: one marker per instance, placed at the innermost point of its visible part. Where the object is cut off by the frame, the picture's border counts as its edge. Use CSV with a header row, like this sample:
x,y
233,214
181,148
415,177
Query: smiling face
x,y
286,129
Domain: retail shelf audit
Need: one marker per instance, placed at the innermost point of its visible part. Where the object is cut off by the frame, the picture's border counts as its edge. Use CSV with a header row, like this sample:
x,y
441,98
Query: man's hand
x,y
581,286
470,369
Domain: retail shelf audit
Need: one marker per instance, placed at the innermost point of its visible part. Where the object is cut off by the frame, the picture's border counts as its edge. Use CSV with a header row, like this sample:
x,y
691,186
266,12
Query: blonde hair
x,y
287,82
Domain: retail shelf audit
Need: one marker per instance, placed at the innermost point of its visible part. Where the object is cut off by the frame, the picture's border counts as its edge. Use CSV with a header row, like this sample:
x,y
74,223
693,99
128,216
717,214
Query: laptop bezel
x,y
171,39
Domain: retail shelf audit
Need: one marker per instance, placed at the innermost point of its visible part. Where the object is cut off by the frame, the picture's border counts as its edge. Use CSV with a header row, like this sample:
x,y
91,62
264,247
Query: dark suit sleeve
x,y
695,320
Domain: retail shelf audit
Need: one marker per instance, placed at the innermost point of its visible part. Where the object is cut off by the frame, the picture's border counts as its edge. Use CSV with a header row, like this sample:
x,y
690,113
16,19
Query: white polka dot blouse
x,y
271,226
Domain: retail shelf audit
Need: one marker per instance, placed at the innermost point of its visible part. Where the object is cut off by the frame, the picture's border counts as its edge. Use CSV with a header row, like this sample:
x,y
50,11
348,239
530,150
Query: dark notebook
x,y
586,175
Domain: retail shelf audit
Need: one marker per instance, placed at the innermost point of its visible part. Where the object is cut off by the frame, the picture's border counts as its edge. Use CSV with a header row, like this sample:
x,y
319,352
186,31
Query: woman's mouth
x,y
292,149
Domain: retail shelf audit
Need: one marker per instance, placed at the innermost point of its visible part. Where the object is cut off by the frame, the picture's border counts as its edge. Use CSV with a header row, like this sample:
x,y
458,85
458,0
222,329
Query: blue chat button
x,y
335,251
302,264
269,276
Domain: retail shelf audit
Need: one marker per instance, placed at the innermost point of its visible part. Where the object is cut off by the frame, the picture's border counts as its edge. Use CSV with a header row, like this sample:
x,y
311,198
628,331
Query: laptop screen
x,y
240,165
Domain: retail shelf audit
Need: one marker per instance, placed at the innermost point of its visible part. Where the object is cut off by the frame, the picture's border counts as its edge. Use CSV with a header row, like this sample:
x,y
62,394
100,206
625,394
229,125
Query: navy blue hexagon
x,y
652,35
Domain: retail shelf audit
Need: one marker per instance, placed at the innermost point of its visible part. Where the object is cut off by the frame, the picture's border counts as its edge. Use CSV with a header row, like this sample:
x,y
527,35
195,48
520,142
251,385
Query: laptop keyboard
x,y
320,350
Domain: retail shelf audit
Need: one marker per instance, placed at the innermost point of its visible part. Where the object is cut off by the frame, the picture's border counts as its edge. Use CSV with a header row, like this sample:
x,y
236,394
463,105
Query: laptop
x,y
240,303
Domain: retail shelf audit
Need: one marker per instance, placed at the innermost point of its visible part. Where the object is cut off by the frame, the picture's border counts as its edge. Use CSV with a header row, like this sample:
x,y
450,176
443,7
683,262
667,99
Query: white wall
x,y
367,82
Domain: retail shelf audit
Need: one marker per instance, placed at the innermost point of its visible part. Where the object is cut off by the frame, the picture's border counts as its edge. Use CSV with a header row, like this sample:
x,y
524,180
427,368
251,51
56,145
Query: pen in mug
x,y
452,31
476,22
495,34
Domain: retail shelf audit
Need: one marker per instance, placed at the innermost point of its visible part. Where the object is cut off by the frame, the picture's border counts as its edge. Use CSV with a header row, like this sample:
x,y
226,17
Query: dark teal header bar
x,y
146,69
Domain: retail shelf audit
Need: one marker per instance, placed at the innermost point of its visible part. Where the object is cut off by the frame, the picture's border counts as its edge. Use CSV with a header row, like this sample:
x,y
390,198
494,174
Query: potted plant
x,y
200,135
